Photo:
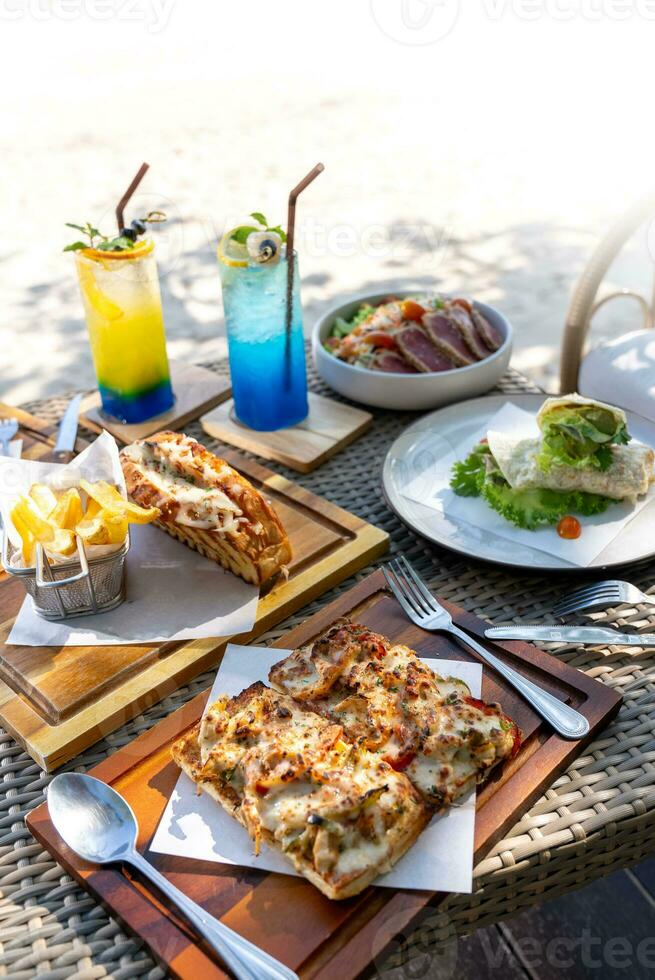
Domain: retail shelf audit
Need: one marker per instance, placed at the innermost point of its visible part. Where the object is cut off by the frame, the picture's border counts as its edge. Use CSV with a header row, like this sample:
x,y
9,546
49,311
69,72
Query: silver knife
x,y
64,449
570,634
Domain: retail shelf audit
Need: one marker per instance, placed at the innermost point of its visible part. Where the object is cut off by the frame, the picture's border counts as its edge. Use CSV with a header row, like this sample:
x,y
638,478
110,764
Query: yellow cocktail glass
x,y
122,302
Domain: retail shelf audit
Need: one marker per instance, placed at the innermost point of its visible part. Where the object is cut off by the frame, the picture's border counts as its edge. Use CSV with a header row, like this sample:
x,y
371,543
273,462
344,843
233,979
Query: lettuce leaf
x,y
469,474
479,476
341,328
580,436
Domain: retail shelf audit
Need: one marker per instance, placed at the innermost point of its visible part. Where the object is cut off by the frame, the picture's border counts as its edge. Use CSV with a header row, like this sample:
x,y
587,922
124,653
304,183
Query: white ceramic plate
x,y
458,423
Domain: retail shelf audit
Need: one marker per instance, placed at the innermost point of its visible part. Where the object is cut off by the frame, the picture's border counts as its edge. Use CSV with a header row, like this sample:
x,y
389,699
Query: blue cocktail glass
x,y
269,378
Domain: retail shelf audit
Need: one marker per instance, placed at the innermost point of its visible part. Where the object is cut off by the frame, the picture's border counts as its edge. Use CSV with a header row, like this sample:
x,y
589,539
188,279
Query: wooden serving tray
x,y
56,701
287,916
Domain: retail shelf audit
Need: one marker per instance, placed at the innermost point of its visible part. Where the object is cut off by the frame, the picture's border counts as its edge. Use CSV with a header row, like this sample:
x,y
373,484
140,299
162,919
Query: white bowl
x,y
412,392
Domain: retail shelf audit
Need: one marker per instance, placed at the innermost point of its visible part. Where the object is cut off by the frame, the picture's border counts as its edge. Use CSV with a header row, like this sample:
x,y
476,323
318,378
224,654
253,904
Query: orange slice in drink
x,y
141,248
104,307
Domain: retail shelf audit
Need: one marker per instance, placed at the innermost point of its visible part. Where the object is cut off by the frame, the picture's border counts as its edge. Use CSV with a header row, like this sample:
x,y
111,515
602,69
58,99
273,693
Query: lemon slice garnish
x,y
231,252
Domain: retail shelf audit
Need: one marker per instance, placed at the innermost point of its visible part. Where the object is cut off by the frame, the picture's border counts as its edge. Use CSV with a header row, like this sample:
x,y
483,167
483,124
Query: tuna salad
x,y
412,336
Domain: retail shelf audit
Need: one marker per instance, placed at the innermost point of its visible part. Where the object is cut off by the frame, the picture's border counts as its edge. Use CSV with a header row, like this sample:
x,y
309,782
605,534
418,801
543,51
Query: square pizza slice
x,y
389,702
340,814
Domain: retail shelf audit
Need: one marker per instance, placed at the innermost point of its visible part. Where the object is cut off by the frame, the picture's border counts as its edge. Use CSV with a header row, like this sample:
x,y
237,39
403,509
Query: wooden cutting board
x,y
38,435
56,701
319,938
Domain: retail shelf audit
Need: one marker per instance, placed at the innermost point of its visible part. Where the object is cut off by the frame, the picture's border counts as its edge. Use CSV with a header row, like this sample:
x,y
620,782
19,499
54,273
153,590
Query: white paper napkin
x,y
15,448
197,827
99,461
173,593
432,488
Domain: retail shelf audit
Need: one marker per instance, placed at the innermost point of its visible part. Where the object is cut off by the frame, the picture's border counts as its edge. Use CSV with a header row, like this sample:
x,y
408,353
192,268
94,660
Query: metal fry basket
x,y
75,588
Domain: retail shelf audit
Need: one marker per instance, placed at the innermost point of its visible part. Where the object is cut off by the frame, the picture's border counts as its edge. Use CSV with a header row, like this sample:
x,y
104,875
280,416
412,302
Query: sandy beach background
x,y
481,150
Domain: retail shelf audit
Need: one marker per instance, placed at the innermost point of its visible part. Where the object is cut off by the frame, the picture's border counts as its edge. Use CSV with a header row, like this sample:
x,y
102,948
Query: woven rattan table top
x,y
598,816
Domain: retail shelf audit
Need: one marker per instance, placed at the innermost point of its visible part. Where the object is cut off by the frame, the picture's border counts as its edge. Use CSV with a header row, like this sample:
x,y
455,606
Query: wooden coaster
x,y
196,390
329,427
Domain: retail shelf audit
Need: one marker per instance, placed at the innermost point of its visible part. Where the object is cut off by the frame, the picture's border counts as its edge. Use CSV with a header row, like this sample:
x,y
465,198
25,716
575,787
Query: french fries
x,y
68,510
110,500
55,519
43,497
104,528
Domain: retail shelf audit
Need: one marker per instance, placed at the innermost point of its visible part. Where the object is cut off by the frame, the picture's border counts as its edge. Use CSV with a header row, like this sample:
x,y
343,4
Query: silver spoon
x,y
97,823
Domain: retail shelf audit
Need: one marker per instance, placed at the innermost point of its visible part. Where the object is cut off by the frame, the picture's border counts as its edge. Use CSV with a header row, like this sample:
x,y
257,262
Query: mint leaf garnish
x,y
119,244
278,231
240,234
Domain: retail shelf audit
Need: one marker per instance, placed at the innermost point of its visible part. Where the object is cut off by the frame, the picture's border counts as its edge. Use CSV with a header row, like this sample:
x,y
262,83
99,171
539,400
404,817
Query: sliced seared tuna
x,y
420,351
489,334
447,337
461,317
389,360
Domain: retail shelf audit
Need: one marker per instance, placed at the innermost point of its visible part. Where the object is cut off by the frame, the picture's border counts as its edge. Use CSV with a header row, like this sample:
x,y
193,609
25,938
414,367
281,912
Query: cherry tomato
x,y
569,528
486,709
400,762
412,310
464,303
516,744
379,339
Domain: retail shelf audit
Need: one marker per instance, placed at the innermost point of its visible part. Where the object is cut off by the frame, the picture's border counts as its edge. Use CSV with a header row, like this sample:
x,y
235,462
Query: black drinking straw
x,y
291,222
120,207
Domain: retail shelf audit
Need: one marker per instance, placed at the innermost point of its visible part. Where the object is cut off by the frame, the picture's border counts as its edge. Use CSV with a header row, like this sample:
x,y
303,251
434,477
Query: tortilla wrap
x,y
571,401
628,476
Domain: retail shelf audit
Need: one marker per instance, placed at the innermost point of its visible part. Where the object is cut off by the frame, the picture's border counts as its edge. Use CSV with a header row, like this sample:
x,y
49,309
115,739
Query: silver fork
x,y
601,595
424,610
8,429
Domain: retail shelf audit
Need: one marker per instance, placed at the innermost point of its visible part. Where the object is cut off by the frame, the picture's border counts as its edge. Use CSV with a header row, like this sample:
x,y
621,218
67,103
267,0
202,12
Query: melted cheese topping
x,y
298,781
391,703
206,507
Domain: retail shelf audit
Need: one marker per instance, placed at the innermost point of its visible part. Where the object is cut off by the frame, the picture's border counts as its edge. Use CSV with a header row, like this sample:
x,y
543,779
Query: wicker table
x,y
597,817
